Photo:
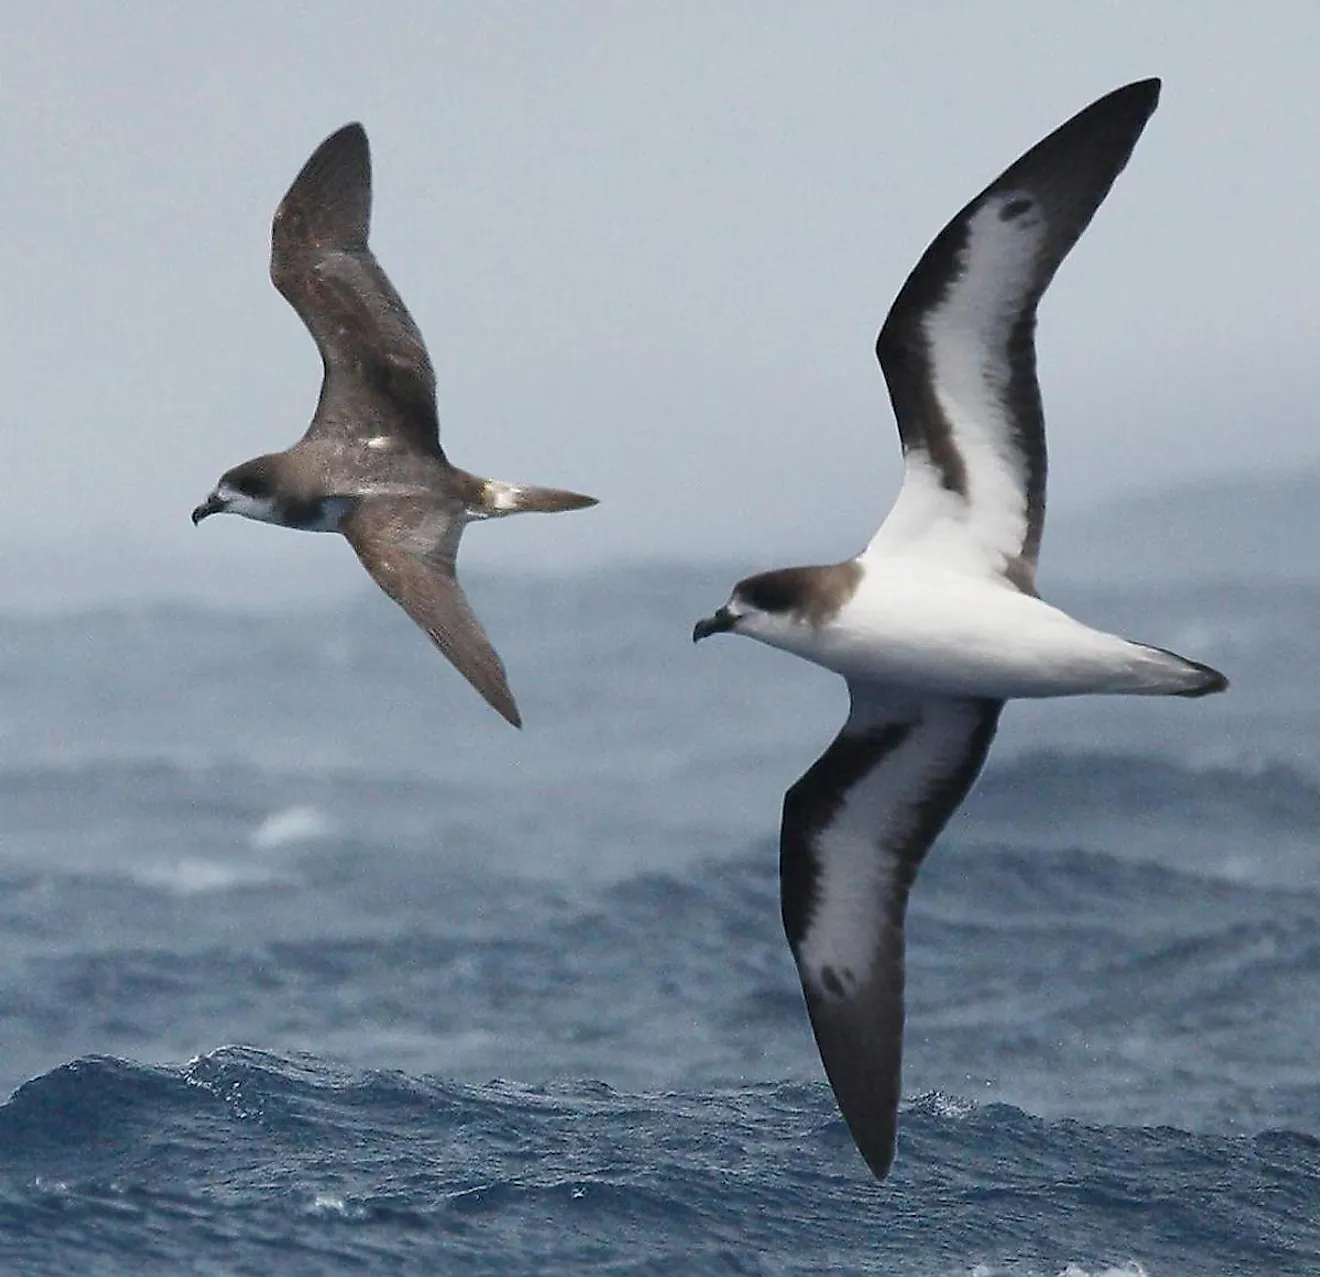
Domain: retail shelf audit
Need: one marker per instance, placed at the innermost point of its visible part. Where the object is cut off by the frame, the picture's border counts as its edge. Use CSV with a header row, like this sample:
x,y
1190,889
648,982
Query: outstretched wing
x,y
409,544
958,347
378,377
855,830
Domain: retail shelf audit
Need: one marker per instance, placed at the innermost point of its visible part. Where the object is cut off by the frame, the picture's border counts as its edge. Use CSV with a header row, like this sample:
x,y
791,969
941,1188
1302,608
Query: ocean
x,y
311,965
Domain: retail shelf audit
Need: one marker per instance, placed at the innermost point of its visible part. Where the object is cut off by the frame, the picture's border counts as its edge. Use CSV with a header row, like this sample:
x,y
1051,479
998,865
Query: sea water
x,y
310,964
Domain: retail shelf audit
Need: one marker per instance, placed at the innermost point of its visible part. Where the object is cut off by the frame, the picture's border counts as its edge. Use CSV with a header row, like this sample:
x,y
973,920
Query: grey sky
x,y
649,246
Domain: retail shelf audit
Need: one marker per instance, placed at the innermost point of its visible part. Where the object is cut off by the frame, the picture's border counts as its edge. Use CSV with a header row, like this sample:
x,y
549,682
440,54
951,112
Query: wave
x,y
1250,824
1147,783
1022,797
244,1158
1064,981
1074,775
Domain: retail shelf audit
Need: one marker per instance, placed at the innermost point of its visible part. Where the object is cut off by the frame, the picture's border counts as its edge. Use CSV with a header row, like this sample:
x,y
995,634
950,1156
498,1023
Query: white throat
x,y
262,509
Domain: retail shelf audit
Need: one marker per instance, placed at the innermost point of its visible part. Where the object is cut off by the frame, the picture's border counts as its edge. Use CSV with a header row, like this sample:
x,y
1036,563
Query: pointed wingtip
x,y
1070,169
491,685
1149,87
1107,130
860,1037
346,142
879,1160
329,203
1141,97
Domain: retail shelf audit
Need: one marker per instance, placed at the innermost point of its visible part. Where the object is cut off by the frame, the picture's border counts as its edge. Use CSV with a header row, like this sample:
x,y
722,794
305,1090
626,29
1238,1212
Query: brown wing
x,y
378,376
409,545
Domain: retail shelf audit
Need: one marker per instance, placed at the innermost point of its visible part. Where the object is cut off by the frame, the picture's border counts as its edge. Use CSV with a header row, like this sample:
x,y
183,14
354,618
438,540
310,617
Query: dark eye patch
x,y
815,594
250,479
780,591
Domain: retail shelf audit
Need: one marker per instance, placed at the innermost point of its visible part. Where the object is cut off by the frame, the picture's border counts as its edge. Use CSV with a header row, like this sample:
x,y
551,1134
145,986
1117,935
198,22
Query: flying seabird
x,y
370,465
937,622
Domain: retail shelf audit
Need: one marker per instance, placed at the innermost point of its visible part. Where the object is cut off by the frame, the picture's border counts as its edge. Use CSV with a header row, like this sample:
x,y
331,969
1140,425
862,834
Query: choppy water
x,y
311,965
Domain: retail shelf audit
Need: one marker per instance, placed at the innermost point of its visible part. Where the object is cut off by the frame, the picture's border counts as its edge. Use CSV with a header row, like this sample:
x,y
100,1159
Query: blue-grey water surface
x,y
312,965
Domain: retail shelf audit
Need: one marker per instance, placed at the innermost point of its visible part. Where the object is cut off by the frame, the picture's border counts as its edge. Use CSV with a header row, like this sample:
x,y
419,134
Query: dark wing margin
x,y
855,830
983,295
408,545
378,376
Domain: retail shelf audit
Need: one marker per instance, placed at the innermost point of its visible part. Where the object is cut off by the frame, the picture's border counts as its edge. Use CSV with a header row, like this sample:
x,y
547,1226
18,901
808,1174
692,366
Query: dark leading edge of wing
x,y
862,818
378,377
1068,173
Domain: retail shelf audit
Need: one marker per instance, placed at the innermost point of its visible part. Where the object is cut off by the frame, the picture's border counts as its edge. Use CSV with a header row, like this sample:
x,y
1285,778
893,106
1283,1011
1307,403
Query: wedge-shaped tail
x,y
499,498
1174,675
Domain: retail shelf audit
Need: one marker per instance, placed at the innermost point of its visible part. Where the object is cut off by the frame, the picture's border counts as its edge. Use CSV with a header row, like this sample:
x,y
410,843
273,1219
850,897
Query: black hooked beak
x,y
212,505
717,624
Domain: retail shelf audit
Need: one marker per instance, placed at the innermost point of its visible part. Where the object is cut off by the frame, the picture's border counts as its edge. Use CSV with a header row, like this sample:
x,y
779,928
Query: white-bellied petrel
x,y
937,623
370,464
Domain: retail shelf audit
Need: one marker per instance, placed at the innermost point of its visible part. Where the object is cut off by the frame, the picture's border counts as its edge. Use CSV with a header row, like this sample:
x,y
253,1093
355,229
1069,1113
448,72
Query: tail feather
x,y
499,498
1194,679
1211,681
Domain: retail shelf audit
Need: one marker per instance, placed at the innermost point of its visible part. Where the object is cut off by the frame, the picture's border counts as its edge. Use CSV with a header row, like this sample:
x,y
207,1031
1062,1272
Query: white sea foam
x,y
191,877
1130,1269
328,1204
941,1104
292,825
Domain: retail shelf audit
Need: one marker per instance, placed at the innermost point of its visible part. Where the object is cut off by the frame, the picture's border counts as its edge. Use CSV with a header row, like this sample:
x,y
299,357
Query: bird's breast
x,y
951,635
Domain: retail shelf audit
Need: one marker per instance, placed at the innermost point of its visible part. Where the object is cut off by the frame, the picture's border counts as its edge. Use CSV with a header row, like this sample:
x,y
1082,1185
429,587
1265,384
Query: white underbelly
x,y
958,637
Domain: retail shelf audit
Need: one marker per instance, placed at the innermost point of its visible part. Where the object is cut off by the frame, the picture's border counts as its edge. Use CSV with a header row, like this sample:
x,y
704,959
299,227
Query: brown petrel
x,y
370,464
937,622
